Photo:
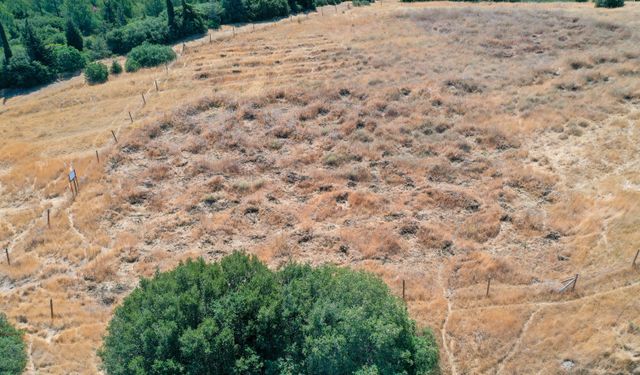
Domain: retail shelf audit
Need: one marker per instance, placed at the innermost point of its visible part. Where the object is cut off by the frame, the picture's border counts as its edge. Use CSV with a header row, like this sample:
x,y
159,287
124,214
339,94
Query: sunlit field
x,y
443,144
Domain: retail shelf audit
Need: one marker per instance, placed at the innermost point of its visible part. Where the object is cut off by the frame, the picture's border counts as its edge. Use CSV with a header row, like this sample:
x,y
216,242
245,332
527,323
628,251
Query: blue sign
x,y
72,175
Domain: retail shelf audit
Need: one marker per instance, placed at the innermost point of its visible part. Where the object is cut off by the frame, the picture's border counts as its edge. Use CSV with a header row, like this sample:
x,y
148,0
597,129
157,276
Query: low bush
x,y
609,3
96,73
68,59
116,68
239,317
151,30
13,357
148,55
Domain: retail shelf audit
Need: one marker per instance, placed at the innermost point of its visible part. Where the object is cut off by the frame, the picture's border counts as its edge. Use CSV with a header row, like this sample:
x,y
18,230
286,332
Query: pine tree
x,y
36,49
171,16
74,38
5,44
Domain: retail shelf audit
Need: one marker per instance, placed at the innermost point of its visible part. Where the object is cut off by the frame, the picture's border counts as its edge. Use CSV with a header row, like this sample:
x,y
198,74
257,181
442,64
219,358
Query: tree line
x,y
43,40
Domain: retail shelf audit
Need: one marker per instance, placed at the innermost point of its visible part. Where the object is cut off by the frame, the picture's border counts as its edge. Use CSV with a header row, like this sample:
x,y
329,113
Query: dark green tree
x,y
73,36
234,11
191,22
239,317
5,44
171,17
35,47
79,11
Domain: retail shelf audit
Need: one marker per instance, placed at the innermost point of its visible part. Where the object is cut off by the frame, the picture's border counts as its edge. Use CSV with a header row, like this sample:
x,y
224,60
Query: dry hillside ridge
x,y
436,143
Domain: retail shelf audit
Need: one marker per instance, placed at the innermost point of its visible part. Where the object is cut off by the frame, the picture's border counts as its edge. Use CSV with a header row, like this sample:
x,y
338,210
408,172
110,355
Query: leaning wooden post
x,y
403,289
114,136
48,218
143,99
166,67
234,30
210,38
633,264
6,251
130,117
97,157
321,11
156,82
254,26
488,286
575,280
51,307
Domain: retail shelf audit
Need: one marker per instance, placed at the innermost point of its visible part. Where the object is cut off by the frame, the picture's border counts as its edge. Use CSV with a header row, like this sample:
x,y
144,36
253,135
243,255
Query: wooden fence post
x,y
403,289
51,307
6,251
488,286
143,99
114,136
210,38
633,264
48,218
156,82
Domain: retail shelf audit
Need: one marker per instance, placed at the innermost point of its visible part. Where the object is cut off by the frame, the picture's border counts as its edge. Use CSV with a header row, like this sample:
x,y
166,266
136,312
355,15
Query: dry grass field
x,y
436,143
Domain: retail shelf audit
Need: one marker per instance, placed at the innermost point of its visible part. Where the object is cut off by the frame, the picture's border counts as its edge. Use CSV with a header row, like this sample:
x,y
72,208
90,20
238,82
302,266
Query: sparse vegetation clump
x,y
13,357
237,316
96,73
148,55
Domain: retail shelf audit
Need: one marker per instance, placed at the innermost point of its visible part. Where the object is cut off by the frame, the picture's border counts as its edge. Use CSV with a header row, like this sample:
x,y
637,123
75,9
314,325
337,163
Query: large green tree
x,y
73,36
5,44
80,12
239,317
171,17
35,47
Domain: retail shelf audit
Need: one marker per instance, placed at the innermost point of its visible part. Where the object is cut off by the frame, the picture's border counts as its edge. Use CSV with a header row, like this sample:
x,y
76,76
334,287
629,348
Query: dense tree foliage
x,y
238,317
13,357
74,38
101,28
609,3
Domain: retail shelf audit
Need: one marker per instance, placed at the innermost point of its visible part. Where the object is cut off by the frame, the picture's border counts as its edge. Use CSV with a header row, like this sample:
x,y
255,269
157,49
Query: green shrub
x,y
212,13
258,10
116,68
96,73
151,29
359,3
239,317
22,72
609,3
13,357
96,48
148,55
68,59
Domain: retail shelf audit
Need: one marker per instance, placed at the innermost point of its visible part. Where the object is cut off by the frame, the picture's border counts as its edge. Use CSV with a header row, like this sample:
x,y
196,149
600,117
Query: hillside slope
x,y
436,143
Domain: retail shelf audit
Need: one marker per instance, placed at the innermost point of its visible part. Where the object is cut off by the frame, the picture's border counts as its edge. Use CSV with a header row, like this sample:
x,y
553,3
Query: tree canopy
x,y
13,357
239,317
